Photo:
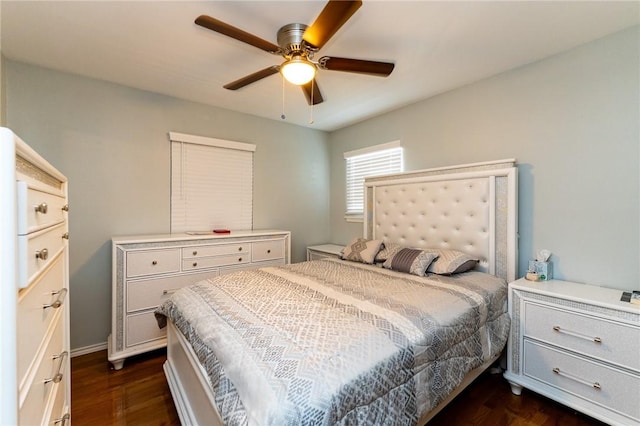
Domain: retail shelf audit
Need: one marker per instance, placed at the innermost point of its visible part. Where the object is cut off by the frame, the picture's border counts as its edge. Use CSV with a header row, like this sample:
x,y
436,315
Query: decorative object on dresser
x,y
147,269
34,331
323,251
577,344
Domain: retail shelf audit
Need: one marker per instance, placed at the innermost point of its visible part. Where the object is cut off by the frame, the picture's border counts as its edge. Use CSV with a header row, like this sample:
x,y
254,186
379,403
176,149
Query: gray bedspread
x,y
333,342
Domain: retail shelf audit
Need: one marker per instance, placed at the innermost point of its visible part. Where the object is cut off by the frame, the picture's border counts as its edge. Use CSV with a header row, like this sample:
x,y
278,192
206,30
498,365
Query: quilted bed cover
x,y
334,342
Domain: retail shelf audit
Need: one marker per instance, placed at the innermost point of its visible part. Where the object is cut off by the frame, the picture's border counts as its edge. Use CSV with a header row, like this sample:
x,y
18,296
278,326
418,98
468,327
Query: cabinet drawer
x,y
215,250
216,261
153,262
143,328
37,250
36,398
33,320
267,250
618,343
147,294
617,391
37,210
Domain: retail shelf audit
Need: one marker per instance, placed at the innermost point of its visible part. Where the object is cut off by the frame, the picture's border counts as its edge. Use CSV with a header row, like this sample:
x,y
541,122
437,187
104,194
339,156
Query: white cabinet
x,y
148,269
34,331
323,251
577,344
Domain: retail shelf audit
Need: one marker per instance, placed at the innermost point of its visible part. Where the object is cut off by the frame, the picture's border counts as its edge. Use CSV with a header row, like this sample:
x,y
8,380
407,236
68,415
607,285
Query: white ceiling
x,y
436,46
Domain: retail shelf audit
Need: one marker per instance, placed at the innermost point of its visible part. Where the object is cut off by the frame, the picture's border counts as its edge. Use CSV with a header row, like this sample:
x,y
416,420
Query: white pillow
x,y
361,250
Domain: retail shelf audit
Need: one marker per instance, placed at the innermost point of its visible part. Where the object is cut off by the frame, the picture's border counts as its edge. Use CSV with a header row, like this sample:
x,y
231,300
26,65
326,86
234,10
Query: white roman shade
x,y
372,161
211,184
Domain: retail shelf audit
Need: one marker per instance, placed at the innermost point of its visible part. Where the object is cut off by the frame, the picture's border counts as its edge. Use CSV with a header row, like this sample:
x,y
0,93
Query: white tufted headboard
x,y
471,208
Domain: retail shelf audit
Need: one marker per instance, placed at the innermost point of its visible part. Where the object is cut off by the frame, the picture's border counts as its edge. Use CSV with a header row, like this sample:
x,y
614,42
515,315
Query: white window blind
x,y
211,184
373,161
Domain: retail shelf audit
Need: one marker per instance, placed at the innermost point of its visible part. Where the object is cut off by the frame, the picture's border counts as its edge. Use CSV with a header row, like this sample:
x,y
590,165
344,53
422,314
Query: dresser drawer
x,y
216,261
37,209
153,262
614,342
215,250
149,293
143,328
37,250
33,320
36,398
267,250
592,381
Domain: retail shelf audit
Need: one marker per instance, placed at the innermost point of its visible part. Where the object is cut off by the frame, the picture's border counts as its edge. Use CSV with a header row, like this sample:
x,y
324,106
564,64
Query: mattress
x,y
335,342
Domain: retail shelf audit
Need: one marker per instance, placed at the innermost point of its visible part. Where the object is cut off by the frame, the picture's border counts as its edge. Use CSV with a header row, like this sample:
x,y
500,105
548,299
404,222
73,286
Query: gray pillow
x,y
411,261
451,262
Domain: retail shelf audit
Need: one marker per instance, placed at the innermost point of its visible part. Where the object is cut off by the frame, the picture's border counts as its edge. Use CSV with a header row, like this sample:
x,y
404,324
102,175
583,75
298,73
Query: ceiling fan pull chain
x,y
282,116
311,106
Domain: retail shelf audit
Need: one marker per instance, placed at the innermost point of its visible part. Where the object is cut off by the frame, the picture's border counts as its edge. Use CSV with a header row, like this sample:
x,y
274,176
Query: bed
x,y
374,339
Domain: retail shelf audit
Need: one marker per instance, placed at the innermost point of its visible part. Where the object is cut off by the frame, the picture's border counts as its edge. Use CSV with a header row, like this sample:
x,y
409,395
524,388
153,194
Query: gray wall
x,y
571,121
112,144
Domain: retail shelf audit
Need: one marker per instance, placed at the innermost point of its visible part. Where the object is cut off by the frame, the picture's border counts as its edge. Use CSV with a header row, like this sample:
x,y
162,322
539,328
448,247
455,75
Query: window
x,y
211,184
376,160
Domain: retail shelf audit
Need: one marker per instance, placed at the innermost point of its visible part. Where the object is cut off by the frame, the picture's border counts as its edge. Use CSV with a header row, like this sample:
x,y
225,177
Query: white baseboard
x,y
88,349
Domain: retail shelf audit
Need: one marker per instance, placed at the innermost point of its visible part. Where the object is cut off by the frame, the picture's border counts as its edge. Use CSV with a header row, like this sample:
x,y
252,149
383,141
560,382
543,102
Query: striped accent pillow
x,y
412,261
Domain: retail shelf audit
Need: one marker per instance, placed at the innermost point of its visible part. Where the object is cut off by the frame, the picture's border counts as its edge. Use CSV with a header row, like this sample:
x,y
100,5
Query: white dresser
x,y
148,269
34,357
576,344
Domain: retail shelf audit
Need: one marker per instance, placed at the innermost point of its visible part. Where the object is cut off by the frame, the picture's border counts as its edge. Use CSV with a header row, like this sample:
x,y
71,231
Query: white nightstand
x,y
577,344
324,251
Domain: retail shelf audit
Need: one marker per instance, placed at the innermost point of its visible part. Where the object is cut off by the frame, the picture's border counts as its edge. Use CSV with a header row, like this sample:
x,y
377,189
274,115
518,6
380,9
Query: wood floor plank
x,y
138,395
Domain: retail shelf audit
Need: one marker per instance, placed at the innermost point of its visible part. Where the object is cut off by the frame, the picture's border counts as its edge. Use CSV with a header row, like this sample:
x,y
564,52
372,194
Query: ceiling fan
x,y
298,43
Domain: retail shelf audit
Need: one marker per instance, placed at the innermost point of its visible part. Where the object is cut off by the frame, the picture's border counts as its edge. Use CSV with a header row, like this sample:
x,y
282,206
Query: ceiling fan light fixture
x,y
298,70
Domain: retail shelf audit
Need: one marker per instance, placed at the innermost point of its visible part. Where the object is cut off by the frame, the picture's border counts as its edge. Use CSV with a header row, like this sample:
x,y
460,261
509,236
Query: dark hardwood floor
x,y
138,395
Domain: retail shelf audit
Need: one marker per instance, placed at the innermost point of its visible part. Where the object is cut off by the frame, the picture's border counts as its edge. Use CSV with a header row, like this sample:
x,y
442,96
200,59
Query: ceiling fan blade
x,y
233,32
252,78
332,17
308,88
382,69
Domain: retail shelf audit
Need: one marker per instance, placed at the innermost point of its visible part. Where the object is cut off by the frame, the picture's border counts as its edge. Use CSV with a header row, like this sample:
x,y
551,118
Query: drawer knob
x,y
239,259
42,254
42,208
594,385
65,208
195,264
239,248
57,378
65,236
195,252
155,262
594,339
62,420
59,300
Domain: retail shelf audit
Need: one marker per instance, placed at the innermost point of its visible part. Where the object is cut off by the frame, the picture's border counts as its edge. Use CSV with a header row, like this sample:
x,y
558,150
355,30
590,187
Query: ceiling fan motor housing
x,y
290,40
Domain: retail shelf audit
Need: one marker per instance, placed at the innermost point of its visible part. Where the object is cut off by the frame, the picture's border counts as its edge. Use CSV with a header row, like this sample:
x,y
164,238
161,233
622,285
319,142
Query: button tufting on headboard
x,y
472,208
454,216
